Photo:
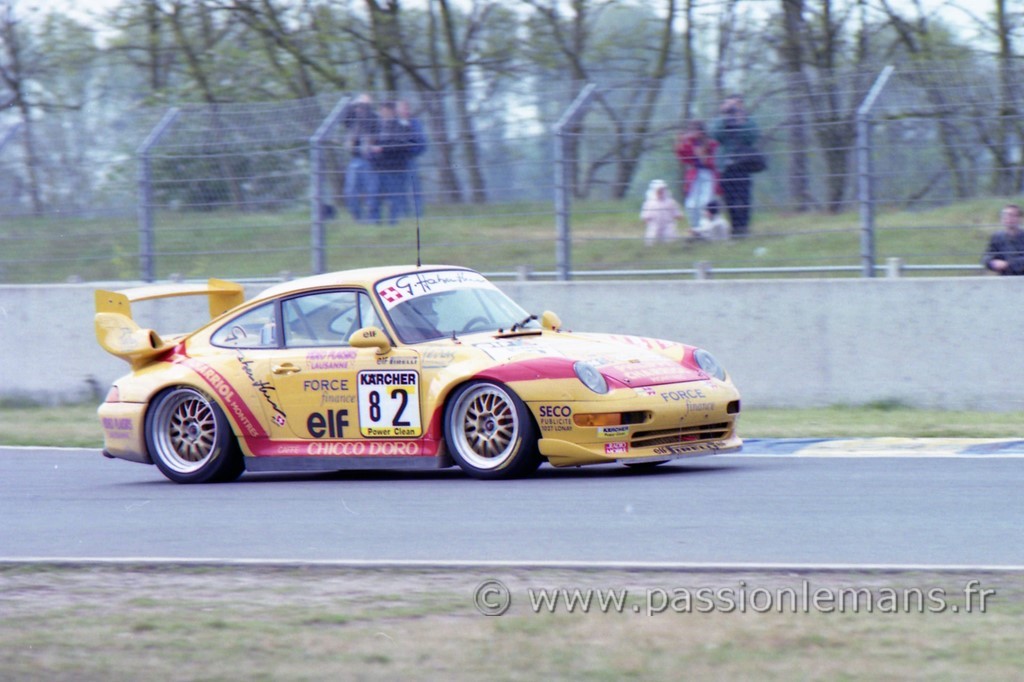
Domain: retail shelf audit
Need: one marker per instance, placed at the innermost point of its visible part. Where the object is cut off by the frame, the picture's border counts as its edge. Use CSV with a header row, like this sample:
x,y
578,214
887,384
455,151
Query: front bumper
x,y
562,453
660,423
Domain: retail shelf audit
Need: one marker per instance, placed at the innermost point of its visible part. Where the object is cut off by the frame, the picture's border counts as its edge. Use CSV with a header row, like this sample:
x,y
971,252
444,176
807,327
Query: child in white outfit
x,y
661,212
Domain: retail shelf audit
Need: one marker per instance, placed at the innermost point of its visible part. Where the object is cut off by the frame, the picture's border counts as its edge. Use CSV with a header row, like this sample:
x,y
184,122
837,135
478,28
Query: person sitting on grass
x,y
713,226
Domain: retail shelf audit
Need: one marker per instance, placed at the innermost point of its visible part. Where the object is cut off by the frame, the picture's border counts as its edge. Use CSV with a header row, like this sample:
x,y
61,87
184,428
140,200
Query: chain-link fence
x,y
526,180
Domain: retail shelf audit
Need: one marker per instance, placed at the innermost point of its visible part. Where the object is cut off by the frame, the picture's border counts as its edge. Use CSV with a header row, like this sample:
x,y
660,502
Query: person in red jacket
x,y
695,150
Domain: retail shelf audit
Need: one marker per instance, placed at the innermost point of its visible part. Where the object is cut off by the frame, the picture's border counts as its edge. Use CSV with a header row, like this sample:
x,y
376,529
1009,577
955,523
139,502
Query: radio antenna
x,y
418,263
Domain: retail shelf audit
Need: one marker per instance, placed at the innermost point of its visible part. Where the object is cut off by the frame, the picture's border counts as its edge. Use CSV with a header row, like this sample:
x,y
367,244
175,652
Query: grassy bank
x,y
605,235
77,425
96,623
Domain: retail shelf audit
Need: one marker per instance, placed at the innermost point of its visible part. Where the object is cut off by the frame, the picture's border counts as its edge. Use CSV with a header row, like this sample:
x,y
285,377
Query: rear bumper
x,y
124,431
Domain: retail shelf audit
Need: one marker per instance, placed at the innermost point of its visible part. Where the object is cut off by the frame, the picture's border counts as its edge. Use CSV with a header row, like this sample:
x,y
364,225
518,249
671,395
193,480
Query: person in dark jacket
x,y
390,161
737,133
1005,253
417,144
361,126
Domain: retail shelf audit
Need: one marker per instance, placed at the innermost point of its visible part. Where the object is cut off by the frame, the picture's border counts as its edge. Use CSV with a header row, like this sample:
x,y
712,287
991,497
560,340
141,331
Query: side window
x,y
322,319
367,313
255,328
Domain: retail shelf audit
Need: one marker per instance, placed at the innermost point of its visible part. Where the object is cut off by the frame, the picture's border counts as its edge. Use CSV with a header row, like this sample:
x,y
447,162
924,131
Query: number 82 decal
x,y
389,404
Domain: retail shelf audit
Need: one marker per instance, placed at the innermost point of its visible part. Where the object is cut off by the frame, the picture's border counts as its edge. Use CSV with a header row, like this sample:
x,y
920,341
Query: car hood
x,y
630,360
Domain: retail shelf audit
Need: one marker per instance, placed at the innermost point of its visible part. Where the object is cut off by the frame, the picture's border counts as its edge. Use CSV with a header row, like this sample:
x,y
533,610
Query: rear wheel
x,y
190,439
489,432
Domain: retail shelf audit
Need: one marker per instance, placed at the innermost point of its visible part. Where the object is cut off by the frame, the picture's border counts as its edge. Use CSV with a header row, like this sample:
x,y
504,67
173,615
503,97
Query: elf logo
x,y
331,425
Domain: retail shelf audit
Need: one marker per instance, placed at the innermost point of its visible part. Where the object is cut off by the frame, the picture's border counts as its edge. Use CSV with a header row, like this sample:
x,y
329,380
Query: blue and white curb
x,y
884,447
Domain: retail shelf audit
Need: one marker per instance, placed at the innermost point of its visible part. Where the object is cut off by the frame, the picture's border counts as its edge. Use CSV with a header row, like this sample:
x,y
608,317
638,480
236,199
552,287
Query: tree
x,y
144,40
19,63
1009,176
45,67
825,84
792,53
295,44
929,44
689,60
608,45
834,119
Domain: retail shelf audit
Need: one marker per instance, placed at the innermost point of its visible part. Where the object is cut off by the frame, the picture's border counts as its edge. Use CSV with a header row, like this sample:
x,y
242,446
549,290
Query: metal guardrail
x,y
892,269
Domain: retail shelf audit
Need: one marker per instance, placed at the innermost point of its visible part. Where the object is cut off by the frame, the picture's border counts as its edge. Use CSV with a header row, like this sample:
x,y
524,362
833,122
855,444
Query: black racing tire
x,y
190,439
489,432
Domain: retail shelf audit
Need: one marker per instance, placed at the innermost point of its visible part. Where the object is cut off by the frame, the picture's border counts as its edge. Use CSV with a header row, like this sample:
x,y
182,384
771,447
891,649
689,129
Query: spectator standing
x,y
1005,253
737,133
416,145
660,212
362,126
695,149
390,163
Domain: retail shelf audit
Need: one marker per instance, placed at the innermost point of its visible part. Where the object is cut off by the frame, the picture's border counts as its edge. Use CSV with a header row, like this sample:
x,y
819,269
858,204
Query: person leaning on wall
x,y
1005,252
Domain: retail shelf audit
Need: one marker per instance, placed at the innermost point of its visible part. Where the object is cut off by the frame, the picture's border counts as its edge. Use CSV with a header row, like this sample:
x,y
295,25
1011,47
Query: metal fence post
x,y
563,186
146,257
864,180
318,207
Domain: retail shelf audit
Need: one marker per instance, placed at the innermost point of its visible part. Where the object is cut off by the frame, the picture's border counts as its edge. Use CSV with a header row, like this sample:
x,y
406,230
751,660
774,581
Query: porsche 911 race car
x,y
403,367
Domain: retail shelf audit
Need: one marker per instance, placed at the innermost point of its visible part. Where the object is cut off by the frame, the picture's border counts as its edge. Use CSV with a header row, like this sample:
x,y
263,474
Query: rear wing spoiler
x,y
118,333
223,296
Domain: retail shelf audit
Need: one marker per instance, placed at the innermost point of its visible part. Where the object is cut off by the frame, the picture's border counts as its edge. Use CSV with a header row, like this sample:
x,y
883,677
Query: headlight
x,y
590,377
706,361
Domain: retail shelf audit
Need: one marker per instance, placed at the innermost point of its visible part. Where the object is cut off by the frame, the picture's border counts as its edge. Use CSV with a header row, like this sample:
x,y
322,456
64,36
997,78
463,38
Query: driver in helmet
x,y
419,319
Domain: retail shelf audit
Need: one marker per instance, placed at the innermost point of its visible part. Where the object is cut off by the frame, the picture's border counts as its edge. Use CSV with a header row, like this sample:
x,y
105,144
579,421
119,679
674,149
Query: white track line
x,y
417,564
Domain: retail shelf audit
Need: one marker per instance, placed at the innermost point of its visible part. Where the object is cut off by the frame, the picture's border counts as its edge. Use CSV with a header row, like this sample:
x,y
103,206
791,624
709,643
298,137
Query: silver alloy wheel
x,y
184,430
484,427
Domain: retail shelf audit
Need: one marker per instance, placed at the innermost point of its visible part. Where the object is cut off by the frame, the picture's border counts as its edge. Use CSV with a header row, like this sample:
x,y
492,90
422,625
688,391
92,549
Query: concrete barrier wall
x,y
936,343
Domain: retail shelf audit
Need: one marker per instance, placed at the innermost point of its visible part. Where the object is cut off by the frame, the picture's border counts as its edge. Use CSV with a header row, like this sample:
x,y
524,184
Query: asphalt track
x,y
926,503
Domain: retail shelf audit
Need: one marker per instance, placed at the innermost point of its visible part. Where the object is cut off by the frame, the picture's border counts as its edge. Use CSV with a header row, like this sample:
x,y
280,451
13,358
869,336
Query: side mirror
x,y
370,337
548,320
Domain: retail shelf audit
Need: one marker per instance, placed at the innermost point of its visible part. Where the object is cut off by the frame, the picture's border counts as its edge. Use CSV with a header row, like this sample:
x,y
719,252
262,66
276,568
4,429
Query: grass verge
x,y
606,235
77,425
62,426
251,623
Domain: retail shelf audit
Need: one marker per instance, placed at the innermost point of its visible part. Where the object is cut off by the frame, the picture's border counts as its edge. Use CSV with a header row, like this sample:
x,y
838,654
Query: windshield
x,y
437,304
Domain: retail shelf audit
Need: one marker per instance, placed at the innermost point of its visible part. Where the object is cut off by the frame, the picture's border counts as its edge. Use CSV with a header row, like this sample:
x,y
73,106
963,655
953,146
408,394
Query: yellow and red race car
x,y
406,367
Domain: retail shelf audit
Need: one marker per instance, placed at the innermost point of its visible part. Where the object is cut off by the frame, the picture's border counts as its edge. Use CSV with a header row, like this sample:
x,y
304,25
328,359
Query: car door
x,y
331,391
252,338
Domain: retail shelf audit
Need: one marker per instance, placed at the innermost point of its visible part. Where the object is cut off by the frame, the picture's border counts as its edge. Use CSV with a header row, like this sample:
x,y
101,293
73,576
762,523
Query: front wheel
x,y
190,439
489,432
